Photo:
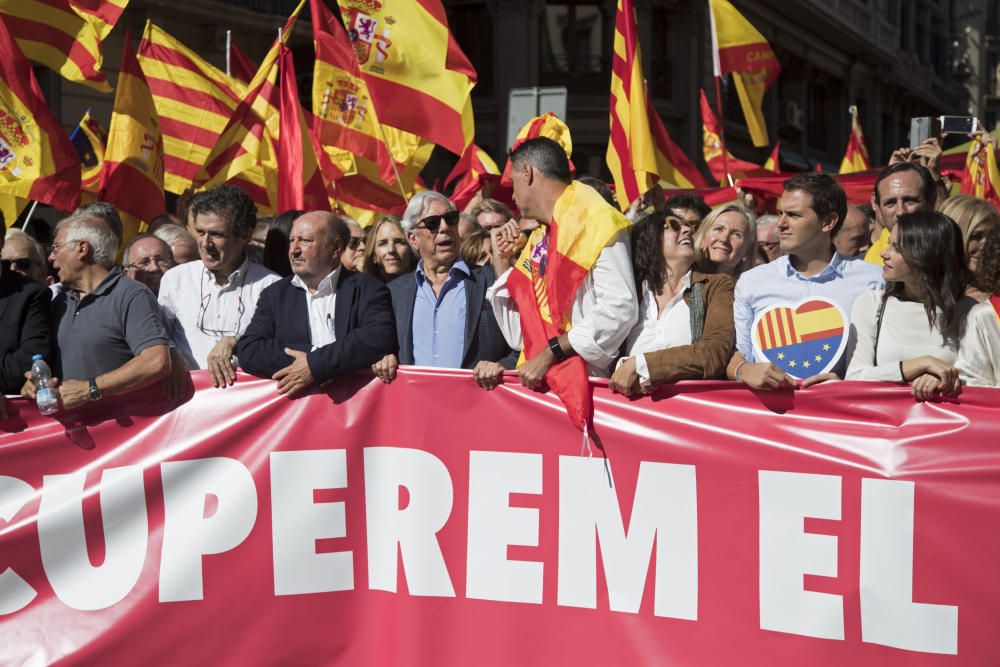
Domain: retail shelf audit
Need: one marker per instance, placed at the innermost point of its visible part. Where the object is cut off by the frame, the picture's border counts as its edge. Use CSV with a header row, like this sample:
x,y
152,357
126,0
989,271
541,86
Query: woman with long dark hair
x,y
685,329
910,331
979,354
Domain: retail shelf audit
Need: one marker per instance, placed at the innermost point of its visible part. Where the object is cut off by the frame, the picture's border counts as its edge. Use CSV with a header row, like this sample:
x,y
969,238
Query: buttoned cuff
x,y
642,369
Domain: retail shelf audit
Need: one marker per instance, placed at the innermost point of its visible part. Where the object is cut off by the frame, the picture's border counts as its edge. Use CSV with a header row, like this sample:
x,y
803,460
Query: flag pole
x,y
31,211
722,130
392,160
229,51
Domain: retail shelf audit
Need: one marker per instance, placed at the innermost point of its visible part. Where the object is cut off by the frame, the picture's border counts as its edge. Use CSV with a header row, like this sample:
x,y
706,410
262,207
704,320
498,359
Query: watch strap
x,y
556,348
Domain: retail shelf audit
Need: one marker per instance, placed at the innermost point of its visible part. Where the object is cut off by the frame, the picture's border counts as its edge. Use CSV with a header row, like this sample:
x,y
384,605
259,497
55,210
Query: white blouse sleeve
x,y
861,343
979,350
505,310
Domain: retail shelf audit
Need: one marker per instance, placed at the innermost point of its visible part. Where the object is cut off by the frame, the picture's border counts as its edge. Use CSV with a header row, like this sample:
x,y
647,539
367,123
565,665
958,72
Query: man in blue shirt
x,y
441,320
812,208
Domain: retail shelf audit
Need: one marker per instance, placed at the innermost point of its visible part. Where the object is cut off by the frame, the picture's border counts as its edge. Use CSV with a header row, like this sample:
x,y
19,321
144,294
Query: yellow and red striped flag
x,y
90,140
718,163
981,177
37,160
740,49
472,171
132,177
773,162
856,155
582,224
418,77
64,35
241,67
640,151
300,183
547,125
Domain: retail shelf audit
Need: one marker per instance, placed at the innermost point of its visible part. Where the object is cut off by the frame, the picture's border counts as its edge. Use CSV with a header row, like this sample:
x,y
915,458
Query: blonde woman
x,y
388,254
726,240
975,217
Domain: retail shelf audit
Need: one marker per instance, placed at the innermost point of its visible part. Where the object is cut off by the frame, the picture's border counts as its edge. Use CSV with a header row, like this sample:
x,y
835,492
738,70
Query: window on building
x,y
576,44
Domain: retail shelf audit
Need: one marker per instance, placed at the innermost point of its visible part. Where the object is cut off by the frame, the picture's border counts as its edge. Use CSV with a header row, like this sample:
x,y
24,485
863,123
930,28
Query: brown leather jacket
x,y
707,358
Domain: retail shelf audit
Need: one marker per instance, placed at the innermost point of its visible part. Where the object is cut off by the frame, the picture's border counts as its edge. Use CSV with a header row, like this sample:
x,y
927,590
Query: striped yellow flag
x,y
856,155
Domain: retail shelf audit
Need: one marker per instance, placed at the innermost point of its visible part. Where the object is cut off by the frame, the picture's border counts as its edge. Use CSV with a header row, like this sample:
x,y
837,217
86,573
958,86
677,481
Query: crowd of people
x,y
660,293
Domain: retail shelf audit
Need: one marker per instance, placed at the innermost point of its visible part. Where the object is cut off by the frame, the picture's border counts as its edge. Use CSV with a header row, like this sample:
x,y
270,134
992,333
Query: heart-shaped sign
x,y
802,339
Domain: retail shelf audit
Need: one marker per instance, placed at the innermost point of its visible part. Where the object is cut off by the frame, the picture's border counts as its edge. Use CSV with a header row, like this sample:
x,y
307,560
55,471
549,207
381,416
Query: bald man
x,y
324,320
854,237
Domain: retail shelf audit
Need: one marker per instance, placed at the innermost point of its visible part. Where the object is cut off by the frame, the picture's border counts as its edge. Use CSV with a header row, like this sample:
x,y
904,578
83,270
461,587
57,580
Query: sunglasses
x,y
21,263
355,242
677,224
433,222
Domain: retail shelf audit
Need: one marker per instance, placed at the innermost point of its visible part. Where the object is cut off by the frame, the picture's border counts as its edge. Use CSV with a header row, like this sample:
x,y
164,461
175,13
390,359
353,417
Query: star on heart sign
x,y
802,339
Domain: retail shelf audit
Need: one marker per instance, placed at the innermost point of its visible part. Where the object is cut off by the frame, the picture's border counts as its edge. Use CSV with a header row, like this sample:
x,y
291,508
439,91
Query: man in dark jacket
x,y
322,321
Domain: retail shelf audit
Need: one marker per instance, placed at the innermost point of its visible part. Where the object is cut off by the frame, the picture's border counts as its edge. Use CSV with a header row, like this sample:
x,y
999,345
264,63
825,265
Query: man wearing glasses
x,y
146,259
24,255
209,302
354,254
442,318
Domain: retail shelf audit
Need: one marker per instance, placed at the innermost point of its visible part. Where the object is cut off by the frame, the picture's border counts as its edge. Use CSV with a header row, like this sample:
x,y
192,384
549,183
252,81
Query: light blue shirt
x,y
777,282
439,322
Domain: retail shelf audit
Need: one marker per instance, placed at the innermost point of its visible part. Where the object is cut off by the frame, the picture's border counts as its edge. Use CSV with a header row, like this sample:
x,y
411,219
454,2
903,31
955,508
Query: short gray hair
x,y
418,206
171,234
35,250
96,232
143,237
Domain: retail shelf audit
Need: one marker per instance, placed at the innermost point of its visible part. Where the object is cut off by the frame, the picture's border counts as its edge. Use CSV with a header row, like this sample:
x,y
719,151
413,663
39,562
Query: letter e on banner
x,y
15,592
664,510
412,531
297,522
787,553
494,524
187,533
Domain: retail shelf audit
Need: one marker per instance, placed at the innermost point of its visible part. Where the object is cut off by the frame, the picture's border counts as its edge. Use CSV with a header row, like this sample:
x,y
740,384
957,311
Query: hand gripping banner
x,y
428,522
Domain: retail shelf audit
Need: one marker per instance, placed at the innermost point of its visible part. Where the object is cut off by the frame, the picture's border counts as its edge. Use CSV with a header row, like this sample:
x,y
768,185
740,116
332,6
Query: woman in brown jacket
x,y
685,329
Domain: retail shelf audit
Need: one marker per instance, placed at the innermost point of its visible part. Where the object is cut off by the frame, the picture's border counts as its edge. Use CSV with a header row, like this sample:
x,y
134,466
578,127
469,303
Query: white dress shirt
x,y
979,352
659,331
322,304
201,312
603,312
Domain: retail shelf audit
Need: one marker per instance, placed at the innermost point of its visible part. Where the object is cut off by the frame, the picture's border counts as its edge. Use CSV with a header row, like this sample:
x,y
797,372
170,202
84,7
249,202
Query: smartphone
x,y
959,124
921,129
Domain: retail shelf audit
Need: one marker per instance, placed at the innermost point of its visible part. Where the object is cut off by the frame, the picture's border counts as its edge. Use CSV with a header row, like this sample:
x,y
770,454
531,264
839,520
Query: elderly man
x,y
442,317
854,236
599,301
322,321
109,333
146,259
24,255
183,246
354,252
209,302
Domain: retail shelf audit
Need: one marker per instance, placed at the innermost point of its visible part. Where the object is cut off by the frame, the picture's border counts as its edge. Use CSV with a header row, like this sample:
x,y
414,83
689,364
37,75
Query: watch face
x,y
95,393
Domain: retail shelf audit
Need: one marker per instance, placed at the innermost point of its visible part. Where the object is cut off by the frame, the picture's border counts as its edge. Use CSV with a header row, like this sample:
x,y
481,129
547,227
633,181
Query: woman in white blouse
x,y
910,331
685,329
979,355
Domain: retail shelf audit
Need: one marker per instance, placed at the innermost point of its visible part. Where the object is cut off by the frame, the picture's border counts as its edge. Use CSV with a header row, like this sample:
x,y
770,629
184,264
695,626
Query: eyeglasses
x,y
677,224
355,242
147,262
55,246
20,263
206,299
433,222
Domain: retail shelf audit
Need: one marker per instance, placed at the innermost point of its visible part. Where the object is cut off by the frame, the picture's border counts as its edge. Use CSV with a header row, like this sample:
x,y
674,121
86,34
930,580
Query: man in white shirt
x,y
209,303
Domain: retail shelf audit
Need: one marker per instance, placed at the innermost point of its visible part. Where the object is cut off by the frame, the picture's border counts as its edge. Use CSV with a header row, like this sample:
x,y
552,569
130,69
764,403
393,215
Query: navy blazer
x,y
483,339
25,328
362,322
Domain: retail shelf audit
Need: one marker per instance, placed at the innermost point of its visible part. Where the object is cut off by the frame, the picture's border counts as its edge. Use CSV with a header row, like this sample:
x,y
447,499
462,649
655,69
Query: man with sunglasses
x,y
209,302
354,254
24,255
442,318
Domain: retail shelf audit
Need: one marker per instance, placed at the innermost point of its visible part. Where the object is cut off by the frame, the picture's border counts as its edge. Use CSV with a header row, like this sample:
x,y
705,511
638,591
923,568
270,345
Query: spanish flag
x,y
773,163
712,149
471,173
37,160
300,183
739,48
546,278
981,176
132,177
640,151
419,79
65,35
547,125
856,155
90,139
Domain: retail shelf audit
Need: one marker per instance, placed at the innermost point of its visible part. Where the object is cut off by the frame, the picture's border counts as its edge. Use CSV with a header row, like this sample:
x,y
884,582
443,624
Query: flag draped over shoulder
x,y
419,79
712,148
90,140
640,151
856,155
300,183
740,49
545,280
64,35
132,177
981,177
37,160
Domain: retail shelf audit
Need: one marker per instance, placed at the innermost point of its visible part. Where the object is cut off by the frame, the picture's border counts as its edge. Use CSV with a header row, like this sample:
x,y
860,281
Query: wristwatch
x,y
94,393
556,348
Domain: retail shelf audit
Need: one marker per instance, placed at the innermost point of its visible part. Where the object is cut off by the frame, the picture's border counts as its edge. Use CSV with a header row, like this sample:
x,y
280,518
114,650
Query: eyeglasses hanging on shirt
x,y
223,313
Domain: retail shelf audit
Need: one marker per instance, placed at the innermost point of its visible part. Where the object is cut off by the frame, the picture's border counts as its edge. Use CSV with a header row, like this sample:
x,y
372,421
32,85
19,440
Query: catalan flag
x,y
802,341
418,77
64,35
300,183
132,178
546,278
640,152
740,49
89,139
472,171
712,149
856,155
37,160
241,67
981,177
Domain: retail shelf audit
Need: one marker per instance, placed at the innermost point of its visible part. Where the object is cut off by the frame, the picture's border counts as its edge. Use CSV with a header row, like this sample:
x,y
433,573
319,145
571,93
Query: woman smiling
x,y
388,254
726,240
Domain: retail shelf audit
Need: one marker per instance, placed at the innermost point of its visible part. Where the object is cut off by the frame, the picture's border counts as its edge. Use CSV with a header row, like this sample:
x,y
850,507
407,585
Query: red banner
x,y
430,522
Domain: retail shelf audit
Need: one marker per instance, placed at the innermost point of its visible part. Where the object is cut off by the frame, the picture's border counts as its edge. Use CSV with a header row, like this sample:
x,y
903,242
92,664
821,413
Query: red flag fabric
x,y
712,149
241,67
300,183
471,173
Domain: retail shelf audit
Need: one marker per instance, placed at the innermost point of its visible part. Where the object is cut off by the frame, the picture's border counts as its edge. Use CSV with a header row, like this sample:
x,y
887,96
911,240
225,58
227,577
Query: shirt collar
x,y
830,270
326,287
459,266
238,273
106,285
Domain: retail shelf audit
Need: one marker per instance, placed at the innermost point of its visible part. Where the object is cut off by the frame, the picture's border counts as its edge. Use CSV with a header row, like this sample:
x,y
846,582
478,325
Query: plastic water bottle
x,y
41,377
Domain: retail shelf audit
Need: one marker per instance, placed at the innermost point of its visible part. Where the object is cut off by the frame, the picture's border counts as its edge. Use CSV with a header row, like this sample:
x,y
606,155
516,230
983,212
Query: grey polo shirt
x,y
106,329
